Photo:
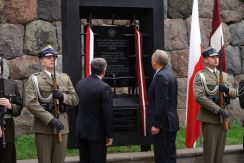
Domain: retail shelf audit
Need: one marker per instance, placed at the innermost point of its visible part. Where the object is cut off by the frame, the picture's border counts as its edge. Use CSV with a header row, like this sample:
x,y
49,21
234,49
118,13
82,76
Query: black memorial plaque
x,y
117,45
125,119
125,110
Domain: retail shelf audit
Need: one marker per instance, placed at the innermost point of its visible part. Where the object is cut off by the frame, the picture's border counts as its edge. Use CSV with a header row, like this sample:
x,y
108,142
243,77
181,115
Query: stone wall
x,y
27,25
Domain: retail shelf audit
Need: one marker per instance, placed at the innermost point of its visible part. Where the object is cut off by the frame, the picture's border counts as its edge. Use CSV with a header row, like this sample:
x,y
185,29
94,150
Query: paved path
x,y
110,158
148,156
67,160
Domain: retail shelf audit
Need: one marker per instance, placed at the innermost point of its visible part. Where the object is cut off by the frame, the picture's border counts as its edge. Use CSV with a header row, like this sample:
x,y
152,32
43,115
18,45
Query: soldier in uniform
x,y
241,93
241,99
206,92
39,101
11,106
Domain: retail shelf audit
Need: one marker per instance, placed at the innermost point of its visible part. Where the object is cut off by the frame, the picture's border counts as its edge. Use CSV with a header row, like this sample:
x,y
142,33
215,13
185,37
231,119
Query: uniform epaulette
x,y
62,73
200,71
36,73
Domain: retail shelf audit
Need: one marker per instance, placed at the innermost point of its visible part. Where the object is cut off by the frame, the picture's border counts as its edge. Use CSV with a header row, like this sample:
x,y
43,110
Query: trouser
x,y
92,152
48,150
8,154
214,137
164,147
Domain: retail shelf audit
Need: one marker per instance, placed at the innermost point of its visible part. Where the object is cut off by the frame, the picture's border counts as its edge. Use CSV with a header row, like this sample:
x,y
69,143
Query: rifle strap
x,y
38,94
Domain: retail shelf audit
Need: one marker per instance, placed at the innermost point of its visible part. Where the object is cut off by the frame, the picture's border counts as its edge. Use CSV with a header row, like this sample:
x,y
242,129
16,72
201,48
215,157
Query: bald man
x,y
162,107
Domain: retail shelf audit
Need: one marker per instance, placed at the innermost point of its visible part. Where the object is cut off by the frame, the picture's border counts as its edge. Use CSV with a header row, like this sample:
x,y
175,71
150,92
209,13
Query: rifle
x,y
221,94
2,109
56,103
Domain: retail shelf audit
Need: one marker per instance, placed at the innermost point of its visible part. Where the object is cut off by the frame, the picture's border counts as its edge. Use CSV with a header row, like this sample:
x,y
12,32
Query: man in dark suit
x,y
162,107
94,121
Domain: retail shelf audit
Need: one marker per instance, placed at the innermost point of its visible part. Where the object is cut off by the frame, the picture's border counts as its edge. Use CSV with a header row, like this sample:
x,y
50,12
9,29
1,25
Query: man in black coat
x,y
162,107
94,121
11,106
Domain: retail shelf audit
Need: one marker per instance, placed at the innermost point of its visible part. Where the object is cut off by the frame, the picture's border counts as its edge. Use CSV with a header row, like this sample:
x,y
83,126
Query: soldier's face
x,y
48,62
212,61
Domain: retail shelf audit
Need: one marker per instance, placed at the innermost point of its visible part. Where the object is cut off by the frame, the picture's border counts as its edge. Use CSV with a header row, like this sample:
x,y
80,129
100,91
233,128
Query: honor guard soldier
x,y
10,106
206,92
241,93
241,99
48,96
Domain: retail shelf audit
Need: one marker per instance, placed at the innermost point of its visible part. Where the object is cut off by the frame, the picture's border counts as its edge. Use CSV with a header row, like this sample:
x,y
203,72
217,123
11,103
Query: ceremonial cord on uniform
x,y
35,82
211,93
240,92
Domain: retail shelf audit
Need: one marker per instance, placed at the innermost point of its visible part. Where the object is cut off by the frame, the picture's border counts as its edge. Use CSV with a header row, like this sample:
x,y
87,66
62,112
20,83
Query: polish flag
x,y
195,64
216,35
89,49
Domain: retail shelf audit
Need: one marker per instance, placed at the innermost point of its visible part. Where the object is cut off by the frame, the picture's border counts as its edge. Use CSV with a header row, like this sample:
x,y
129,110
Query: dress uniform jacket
x,y
12,93
209,109
41,116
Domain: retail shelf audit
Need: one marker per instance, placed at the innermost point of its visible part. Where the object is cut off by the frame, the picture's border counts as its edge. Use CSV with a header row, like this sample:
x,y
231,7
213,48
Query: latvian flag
x,y
216,35
141,80
89,49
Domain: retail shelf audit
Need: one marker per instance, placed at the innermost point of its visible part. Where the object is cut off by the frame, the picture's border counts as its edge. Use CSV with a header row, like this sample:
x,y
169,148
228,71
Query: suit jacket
x,y
208,110
94,120
162,101
41,116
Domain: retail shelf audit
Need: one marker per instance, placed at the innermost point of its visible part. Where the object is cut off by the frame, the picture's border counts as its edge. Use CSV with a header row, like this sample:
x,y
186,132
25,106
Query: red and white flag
x,y
195,64
216,35
89,49
141,80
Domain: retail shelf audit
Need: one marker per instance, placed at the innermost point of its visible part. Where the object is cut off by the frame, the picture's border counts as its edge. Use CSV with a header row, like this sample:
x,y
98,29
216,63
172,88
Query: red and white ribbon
x,y
89,49
141,80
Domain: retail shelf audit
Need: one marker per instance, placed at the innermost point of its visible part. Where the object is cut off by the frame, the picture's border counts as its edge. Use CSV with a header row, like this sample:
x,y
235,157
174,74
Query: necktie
x,y
216,76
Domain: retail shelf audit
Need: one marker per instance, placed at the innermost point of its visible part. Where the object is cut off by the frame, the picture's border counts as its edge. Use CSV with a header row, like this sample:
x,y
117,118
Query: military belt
x,y
49,107
215,99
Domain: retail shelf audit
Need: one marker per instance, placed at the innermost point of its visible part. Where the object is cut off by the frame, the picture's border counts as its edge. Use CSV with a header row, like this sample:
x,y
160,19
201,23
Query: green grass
x,y
235,134
26,145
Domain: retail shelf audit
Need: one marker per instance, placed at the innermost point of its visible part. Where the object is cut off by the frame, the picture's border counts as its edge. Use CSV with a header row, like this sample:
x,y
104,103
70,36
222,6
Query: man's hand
x,y
57,124
109,141
1,133
58,95
6,103
154,130
222,113
223,88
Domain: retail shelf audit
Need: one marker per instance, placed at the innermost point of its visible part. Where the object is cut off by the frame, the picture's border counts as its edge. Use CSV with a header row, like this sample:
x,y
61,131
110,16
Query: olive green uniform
x,y
48,150
8,155
214,135
241,99
241,89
